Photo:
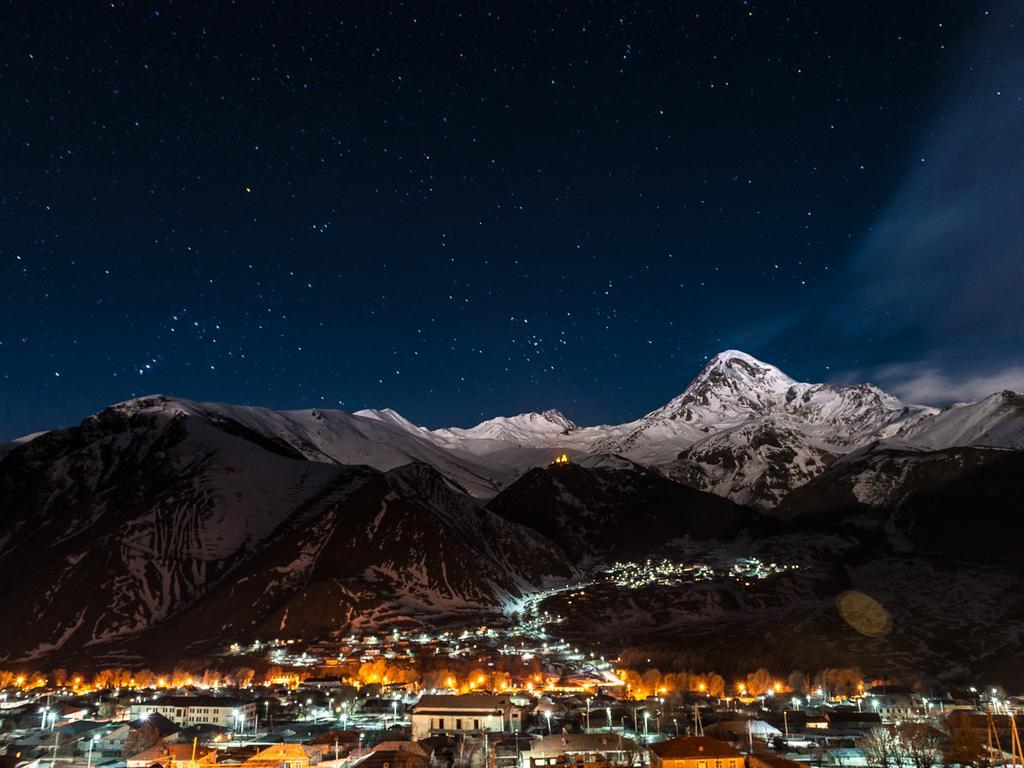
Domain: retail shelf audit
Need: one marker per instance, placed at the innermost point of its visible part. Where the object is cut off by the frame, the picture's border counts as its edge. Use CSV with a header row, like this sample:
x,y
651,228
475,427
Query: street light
x,y
92,741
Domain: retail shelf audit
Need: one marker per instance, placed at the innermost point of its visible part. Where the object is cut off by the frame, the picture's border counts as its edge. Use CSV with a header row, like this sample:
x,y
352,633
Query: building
x,y
285,756
401,758
321,683
66,712
695,752
471,713
893,702
174,756
851,720
583,750
186,711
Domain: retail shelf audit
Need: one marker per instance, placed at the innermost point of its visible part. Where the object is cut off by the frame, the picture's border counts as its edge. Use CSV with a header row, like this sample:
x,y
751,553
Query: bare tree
x,y
920,745
880,746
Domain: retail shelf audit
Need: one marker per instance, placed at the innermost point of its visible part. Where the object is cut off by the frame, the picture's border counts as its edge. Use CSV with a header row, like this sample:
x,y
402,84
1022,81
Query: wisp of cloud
x,y
944,264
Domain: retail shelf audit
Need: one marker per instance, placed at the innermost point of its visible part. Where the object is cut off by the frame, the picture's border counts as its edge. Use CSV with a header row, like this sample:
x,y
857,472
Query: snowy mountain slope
x,y
996,421
757,463
380,439
524,429
6,448
151,508
406,547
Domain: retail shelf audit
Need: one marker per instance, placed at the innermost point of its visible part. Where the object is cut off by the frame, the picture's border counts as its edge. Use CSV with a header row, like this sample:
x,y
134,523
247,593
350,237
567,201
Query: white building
x,y
471,713
186,711
584,749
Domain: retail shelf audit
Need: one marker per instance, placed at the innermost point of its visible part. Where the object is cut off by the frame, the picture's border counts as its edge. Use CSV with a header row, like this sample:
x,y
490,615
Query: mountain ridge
x,y
715,434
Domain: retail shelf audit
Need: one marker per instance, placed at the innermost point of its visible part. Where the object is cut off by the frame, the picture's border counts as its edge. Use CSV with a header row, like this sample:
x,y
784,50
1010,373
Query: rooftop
x,y
687,747
469,701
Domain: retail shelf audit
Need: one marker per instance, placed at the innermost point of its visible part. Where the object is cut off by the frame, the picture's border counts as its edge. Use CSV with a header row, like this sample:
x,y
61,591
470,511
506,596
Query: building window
x,y
440,723
458,724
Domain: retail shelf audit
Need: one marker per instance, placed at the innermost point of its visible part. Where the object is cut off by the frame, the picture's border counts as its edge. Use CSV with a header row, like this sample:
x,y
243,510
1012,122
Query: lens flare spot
x,y
864,614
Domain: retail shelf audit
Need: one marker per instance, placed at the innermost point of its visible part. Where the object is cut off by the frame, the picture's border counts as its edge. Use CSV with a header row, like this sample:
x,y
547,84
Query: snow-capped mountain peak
x,y
734,382
389,416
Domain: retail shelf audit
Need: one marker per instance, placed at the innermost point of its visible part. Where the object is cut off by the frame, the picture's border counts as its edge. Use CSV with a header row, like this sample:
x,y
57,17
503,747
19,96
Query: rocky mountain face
x,y
961,503
186,526
756,463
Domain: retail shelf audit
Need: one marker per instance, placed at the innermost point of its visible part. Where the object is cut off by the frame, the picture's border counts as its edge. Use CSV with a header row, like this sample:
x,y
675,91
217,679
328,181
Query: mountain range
x,y
162,524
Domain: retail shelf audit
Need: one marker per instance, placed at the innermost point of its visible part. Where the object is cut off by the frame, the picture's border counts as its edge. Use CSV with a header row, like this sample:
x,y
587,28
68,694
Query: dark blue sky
x,y
460,210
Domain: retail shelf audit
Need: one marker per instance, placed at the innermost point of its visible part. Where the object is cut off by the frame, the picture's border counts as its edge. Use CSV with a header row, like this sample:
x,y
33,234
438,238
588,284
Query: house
x,y
743,731
582,750
285,756
112,742
393,759
174,756
321,683
470,713
893,702
401,746
695,752
335,743
66,712
852,720
185,711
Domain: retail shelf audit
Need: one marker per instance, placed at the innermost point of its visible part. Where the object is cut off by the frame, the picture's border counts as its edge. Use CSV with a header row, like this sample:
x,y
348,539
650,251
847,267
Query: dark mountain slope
x,y
140,514
615,512
966,503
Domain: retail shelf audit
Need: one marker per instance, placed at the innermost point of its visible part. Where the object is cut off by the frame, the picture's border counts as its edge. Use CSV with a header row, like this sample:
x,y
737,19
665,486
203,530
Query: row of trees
x,y
841,681
447,673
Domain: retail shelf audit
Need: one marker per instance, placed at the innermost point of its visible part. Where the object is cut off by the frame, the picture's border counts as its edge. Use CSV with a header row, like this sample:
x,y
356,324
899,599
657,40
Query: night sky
x,y
460,210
